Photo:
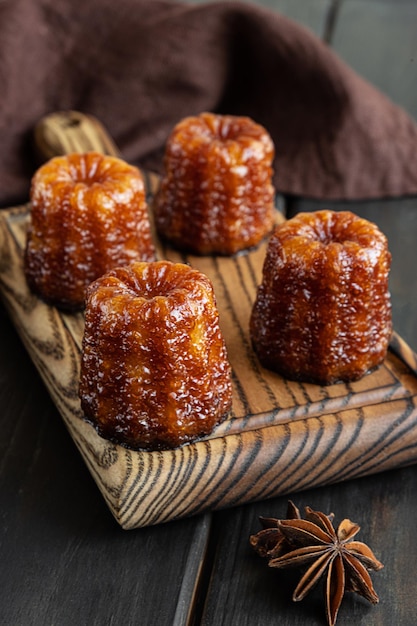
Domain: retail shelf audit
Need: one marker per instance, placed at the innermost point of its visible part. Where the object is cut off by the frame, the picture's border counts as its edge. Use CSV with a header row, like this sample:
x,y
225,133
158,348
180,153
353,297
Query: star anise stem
x,y
313,544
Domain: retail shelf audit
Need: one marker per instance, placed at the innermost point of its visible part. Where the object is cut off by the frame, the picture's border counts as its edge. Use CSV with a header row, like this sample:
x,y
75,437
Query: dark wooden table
x,y
65,561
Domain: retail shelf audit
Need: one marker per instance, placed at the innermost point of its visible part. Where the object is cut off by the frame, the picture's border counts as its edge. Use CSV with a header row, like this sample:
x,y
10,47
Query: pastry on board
x,y
88,215
154,367
322,313
216,194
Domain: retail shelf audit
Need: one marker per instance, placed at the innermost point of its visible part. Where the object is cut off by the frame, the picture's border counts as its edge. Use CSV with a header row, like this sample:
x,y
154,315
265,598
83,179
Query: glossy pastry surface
x,y
216,195
88,215
323,310
154,371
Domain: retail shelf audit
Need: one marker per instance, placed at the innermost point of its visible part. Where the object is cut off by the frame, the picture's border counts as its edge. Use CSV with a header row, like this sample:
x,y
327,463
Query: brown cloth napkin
x,y
140,66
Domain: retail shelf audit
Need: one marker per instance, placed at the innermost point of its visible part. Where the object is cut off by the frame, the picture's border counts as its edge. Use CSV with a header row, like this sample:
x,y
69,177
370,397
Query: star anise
x,y
271,542
314,542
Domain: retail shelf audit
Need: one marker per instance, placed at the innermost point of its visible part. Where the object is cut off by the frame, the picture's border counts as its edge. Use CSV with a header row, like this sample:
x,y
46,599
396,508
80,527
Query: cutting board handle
x,y
63,132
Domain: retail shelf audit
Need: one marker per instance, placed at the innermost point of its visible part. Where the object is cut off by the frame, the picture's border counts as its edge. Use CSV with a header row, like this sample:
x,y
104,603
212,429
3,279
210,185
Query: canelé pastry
x,y
88,215
322,312
216,195
154,367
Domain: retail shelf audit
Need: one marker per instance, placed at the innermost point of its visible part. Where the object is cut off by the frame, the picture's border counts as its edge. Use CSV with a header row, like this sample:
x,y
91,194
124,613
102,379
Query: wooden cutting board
x,y
281,437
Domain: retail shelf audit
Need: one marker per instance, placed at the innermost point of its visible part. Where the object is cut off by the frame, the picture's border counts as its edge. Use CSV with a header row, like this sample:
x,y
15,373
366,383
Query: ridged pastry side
x,y
154,372
88,215
323,312
216,194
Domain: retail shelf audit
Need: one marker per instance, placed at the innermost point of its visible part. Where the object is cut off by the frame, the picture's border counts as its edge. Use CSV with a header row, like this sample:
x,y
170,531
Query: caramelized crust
x,y
154,371
216,196
323,312
88,215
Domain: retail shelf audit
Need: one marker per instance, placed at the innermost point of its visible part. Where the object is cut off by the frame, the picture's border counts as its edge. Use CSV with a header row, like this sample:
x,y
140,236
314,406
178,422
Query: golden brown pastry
x,y
88,215
323,311
154,369
216,196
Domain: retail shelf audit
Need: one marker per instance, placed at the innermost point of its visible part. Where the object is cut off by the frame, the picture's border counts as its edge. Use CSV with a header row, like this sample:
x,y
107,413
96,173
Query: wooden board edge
x,y
269,462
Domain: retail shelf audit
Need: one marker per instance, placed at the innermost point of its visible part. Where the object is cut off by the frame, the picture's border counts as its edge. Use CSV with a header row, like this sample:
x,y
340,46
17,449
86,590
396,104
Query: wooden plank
x,y
243,591
378,38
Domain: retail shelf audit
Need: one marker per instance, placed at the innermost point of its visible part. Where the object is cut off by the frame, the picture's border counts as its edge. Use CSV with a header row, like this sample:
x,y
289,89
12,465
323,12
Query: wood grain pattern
x,y
282,436
63,132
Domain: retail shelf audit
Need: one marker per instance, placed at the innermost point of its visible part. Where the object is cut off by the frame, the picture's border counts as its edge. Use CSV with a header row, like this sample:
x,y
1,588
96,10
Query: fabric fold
x,y
141,66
